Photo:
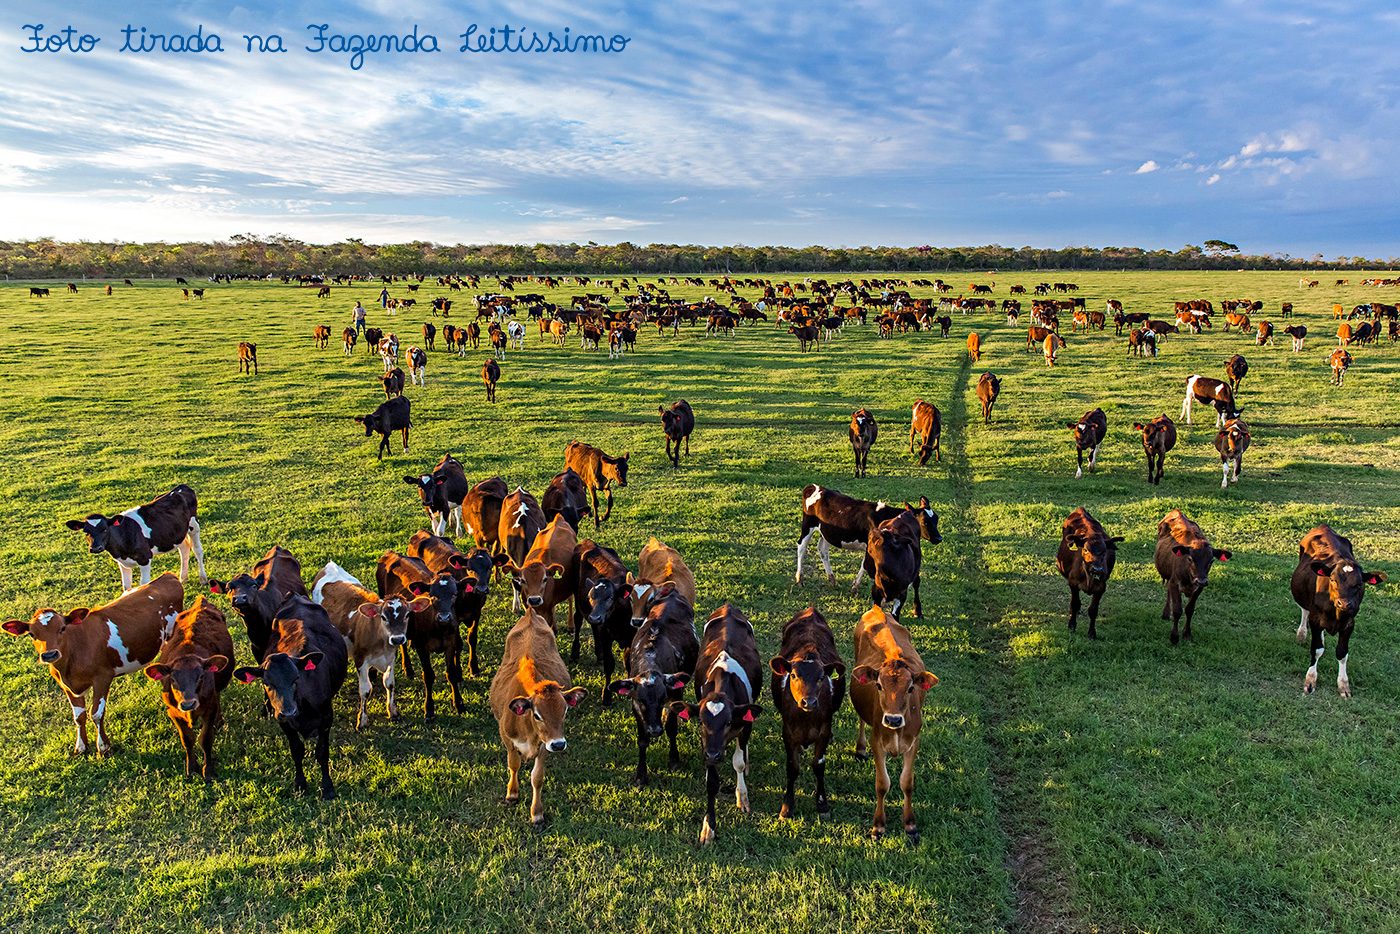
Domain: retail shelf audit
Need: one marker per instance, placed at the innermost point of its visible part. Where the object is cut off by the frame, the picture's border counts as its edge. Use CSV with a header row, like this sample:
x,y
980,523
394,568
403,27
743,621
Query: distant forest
x,y
247,254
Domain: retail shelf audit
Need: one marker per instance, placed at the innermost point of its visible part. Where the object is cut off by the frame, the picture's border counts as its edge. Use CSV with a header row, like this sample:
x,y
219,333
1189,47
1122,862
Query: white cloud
x,y
1213,179
1149,166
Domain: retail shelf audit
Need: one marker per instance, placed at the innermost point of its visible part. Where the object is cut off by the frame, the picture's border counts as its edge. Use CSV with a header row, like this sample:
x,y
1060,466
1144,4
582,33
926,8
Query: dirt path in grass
x,y
1040,892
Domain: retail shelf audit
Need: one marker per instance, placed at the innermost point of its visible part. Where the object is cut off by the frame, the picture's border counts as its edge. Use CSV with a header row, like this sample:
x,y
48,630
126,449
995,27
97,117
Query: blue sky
x,y
1271,125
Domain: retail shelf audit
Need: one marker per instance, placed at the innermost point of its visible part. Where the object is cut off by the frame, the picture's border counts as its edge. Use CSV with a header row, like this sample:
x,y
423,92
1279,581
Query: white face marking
x,y
816,495
114,642
715,708
425,478
92,523
1081,426
1348,568
46,617
929,513
880,504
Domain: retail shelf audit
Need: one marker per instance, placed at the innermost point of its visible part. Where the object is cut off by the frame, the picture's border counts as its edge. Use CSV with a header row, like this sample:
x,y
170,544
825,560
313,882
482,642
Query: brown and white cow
x,y
847,522
348,338
247,358
863,431
195,664
167,523
1298,332
988,388
1089,433
927,425
1054,343
1328,585
599,472
1213,391
888,684
659,568
1158,437
86,648
1231,441
546,577
1340,362
433,628
521,521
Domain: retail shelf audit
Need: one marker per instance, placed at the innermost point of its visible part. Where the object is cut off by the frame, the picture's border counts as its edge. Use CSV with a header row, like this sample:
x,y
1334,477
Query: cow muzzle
x,y
397,640
637,621
50,656
893,721
557,745
534,600
188,705
287,713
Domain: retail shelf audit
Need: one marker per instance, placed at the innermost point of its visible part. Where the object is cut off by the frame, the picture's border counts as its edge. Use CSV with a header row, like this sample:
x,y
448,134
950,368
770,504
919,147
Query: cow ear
x,y
1116,539
751,712
778,664
15,627
260,579
1321,568
556,571
926,680
864,674
417,588
411,481
457,562
573,696
501,560
1180,550
630,579
247,675
217,586
520,705
217,663
1071,424
622,688
77,525
419,604
1223,554
835,671
625,591
1374,578
310,660
368,610
157,672
77,615
677,681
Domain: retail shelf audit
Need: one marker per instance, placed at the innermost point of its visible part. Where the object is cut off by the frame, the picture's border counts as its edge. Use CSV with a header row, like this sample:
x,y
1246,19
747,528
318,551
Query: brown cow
x,y
481,513
1158,437
348,338
490,375
195,664
86,648
321,335
599,472
659,569
1085,559
888,685
988,388
1035,337
808,685
1328,585
1298,332
1340,361
1053,343
974,346
1183,559
546,577
1236,368
521,521
529,697
1265,333
927,424
1231,441
247,358
863,432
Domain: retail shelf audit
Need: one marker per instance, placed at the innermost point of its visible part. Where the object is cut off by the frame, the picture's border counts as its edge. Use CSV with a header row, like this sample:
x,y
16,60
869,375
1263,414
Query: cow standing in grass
x,y
1184,557
863,432
195,664
1328,585
1085,559
808,684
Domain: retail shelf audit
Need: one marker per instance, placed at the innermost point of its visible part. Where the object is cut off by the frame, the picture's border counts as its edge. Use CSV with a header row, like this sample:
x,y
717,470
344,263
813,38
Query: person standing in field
x,y
359,317
384,297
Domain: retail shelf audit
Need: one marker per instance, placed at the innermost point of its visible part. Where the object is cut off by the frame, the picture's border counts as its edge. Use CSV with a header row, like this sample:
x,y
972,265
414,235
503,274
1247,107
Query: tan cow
x,y
659,569
974,346
1053,343
545,577
195,665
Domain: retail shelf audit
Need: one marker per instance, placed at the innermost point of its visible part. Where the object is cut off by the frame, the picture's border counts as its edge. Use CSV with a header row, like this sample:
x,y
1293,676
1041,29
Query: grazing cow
x,y
1085,560
259,594
521,521
109,289
185,295
321,336
1297,332
1089,433
928,425
1162,329
194,665
374,629
481,513
1053,344
677,423
530,695
660,661
1035,337
558,331
1265,334
472,572
303,670
727,686
1340,361
429,334
490,376
1236,368
38,292
391,416
1216,392
888,685
432,627
247,358
442,493
498,342
1286,310
323,292
863,432
847,522
1183,559
348,338
1328,585
1344,336
945,324
893,559
603,597
807,336
86,648
545,578
808,684
168,522
1237,320
974,346
567,497
660,569
417,360
599,472
1158,437
988,388
1231,441
392,383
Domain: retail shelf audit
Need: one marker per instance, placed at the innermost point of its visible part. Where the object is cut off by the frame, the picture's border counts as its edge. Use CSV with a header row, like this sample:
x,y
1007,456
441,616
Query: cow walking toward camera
x,y
490,376
1089,433
472,570
442,493
1158,437
926,423
988,389
1184,557
1328,585
194,666
863,432
808,684
258,595
846,522
170,522
599,472
677,423
1235,370
432,627
1340,362
1231,442
248,358
1085,559
660,663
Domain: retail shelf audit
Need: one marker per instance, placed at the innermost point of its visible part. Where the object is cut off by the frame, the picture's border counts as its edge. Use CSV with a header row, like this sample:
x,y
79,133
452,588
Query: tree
x,y
1220,247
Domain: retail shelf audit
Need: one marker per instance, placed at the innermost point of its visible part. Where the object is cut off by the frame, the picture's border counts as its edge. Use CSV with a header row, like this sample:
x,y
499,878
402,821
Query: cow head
x,y
188,678
546,705
1198,557
280,674
473,571
928,520
428,485
392,614
650,693
98,529
370,421
1085,433
718,716
1346,584
532,579
1232,440
1096,551
615,469
46,629
900,689
242,591
606,597
441,594
806,678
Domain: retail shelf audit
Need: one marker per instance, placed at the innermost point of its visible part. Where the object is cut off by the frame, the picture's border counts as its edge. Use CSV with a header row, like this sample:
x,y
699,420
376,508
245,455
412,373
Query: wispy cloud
x,y
1149,166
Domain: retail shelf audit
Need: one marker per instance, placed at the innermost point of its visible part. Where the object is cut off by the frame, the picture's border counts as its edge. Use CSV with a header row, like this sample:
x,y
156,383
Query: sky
x,y
1156,124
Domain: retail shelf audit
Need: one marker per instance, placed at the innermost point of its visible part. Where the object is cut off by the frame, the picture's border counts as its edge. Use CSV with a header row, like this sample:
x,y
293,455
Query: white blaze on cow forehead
x,y
880,504
92,523
1348,568
816,495
426,478
46,617
715,707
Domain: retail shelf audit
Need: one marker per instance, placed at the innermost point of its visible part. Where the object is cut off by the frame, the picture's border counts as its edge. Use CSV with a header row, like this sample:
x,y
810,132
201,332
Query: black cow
x,y
1085,559
808,684
472,570
1089,433
603,596
1158,437
442,493
846,522
260,594
167,523
863,433
677,422
893,559
659,661
567,497
1329,584
391,416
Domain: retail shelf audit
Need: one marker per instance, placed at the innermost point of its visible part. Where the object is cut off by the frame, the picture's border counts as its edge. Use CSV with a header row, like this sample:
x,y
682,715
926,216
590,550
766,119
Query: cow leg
x,y
437,522
1093,458
802,542
1239,465
741,768
425,658
882,787
1073,607
454,675
1161,464
1303,628
391,704
1224,474
183,547
186,732
673,726
861,753
212,721
145,573
911,439
1343,683
456,520
366,688
918,606
405,661
597,520
80,719
513,762
1190,611
125,570
100,686
1094,614
938,449
819,771
1318,648
860,572
405,440
794,750
906,786
298,750
608,511
602,650
1186,407
639,778
707,828
383,445
687,445
1079,469
537,790
198,548
1172,609
473,666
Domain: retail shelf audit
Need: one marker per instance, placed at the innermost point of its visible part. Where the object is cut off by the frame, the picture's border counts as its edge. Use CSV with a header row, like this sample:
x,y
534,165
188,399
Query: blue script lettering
x,y
67,39
356,45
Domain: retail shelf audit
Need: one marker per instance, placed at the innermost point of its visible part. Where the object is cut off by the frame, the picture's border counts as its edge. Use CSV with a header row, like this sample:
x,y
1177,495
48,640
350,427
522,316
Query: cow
x,y
374,629
808,684
392,383
490,376
863,432
1085,559
372,338
1236,368
893,559
301,673
567,497
168,522
558,331
1265,334
927,424
603,598
498,342
348,337
677,423
1184,557
1207,390
472,571
391,416
430,333
1238,320
248,358
888,684
974,346
1344,335
195,664
660,661
807,336
442,493
481,513
1053,344
599,472
1328,585
1298,332
321,336
1089,433
529,697
38,292
515,332
1232,440
417,360
1340,362
727,687
389,351
86,648
323,292
1162,328
847,522
1286,310
988,388
1142,342
433,627
260,593
945,324
1158,437
660,569
521,521
546,577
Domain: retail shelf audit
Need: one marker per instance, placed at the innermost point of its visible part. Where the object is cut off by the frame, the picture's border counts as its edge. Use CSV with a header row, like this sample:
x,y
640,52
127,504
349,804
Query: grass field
x,y
1062,783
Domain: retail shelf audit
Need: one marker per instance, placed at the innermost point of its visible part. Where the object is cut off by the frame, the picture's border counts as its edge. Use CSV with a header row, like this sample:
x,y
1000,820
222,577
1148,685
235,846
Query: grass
x,y
1063,783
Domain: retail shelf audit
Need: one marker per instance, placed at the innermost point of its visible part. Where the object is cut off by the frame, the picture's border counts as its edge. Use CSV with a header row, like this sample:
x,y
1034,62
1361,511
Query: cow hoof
x,y
537,823
823,812
639,781
1175,638
1309,684
785,811
327,793
876,833
911,836
1078,474
862,756
707,834
1303,634
509,800
1344,688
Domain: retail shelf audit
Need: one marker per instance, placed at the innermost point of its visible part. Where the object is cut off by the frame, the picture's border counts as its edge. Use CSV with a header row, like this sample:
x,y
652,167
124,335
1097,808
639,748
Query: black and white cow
x,y
442,492
845,522
167,523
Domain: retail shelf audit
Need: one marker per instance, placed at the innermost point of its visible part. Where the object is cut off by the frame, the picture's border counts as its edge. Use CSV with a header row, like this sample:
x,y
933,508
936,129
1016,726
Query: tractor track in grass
x,y
1039,888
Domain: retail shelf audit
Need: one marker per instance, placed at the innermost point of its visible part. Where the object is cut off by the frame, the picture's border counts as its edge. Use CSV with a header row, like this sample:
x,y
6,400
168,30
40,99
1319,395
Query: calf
x,y
602,596
926,423
1089,433
1340,361
726,690
348,337
391,416
863,431
1236,369
1142,343
945,324
663,653
529,697
1265,334
1183,559
677,423
168,522
417,360
247,358
490,376
1085,560
1328,585
1035,337
38,292
442,493
660,569
195,664
1054,343
988,388
808,684
893,558
374,629
974,346
86,648
372,338
430,333
599,472
481,513
888,685
1297,332
433,628
472,572
389,351
846,522
546,577
566,497
392,383
521,522
301,674
1216,392
259,594
1231,441
321,336
1158,437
